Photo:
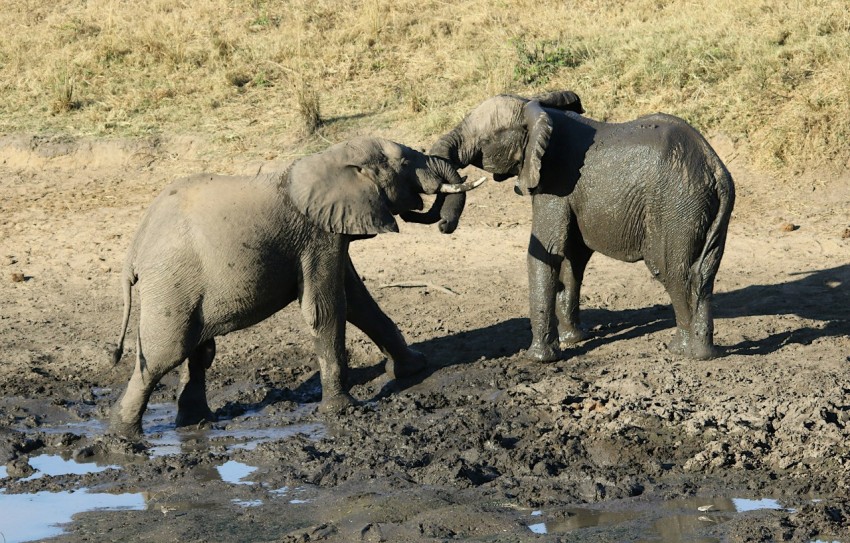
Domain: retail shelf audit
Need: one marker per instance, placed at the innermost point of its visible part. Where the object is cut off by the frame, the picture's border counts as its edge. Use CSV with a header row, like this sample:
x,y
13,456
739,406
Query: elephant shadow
x,y
818,295
821,295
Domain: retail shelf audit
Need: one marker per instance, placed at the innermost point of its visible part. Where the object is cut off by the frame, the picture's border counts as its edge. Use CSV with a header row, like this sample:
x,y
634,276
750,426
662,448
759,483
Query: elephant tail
x,y
128,279
706,266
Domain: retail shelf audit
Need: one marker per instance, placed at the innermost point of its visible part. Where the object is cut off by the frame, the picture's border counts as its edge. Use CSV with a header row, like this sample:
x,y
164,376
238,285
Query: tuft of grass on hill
x,y
289,76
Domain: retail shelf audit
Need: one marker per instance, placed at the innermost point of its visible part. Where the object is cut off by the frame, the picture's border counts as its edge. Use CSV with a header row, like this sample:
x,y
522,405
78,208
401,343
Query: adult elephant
x,y
217,253
651,189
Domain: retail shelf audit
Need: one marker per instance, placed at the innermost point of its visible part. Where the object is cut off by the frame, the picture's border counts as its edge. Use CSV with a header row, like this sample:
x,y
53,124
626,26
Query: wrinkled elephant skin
x,y
651,189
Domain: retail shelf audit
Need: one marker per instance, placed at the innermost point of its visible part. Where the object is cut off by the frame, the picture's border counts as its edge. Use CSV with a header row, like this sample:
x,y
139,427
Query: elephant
x,y
215,254
650,189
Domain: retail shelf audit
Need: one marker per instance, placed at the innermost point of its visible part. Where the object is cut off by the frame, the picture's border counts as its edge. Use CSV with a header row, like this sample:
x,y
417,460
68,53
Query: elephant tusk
x,y
461,187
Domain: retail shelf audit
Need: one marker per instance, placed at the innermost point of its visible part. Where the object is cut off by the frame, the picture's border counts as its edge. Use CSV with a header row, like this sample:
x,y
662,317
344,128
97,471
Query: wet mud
x,y
618,441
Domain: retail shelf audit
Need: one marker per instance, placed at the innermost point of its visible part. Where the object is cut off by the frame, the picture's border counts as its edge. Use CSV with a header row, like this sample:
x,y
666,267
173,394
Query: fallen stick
x,y
414,284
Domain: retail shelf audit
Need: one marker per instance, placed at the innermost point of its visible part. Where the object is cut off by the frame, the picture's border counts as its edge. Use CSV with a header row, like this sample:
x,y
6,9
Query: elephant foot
x,y
572,336
336,404
130,431
683,345
193,417
412,364
113,444
704,352
542,352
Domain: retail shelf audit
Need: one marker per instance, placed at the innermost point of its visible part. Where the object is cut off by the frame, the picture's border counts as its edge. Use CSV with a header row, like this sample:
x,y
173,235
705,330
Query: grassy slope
x,y
243,73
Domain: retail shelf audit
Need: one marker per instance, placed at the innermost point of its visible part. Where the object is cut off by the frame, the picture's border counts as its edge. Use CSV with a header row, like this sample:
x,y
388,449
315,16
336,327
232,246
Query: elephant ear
x,y
340,196
539,126
563,100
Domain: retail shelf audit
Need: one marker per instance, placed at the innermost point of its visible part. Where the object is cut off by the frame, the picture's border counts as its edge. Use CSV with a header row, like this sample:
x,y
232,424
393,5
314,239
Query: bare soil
x,y
482,445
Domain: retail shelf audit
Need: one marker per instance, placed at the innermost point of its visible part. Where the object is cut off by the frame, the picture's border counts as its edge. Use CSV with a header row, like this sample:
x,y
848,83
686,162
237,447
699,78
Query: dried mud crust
x,y
482,437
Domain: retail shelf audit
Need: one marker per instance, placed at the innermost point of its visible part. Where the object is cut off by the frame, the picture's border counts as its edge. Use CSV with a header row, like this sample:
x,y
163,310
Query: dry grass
x,y
773,75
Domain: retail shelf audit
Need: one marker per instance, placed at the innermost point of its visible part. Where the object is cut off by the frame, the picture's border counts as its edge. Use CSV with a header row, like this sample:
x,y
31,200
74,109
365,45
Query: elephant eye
x,y
364,171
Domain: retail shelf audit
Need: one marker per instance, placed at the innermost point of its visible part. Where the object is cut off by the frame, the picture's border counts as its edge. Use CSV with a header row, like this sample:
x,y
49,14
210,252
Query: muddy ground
x,y
620,441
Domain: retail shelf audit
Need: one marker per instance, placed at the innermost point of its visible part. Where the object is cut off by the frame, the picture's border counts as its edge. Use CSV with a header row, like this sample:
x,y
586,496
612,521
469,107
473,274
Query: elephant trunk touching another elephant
x,y
651,189
215,254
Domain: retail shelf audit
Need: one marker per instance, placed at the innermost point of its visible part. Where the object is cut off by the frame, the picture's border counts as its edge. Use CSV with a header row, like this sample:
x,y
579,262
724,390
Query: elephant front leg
x,y
323,306
192,407
542,287
364,313
572,273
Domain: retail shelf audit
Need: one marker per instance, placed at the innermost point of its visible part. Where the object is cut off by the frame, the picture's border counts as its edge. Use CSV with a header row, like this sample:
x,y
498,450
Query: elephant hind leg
x,y
364,312
691,298
701,292
192,406
151,365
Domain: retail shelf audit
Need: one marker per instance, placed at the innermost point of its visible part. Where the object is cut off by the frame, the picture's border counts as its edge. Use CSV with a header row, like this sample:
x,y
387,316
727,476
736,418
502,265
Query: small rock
x,y
18,277
788,227
10,260
846,233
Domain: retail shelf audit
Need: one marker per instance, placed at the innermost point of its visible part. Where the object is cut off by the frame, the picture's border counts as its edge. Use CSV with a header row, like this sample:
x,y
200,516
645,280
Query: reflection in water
x,y
677,521
233,472
588,518
27,517
539,528
742,504
54,465
247,503
173,441
168,440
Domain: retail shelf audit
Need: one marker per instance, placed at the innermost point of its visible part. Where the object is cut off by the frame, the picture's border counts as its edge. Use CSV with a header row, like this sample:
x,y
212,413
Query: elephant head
x,y
505,135
356,187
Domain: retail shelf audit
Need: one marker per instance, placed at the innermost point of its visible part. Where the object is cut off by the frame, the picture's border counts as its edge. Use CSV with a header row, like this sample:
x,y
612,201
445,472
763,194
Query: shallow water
x,y
234,472
34,516
166,439
28,517
54,465
671,522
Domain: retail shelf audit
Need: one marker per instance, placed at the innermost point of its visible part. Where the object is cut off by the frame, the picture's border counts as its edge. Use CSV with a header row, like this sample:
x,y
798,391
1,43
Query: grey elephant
x,y
651,189
217,253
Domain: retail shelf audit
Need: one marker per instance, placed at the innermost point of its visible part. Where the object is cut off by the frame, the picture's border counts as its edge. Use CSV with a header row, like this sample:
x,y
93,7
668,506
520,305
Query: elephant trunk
x,y
447,206
448,147
444,170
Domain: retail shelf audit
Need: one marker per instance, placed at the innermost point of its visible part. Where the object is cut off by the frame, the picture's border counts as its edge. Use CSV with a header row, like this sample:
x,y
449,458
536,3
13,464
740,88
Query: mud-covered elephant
x,y
651,189
217,253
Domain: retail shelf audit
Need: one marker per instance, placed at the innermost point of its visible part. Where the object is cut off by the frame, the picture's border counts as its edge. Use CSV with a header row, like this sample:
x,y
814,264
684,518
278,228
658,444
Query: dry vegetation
x,y
252,76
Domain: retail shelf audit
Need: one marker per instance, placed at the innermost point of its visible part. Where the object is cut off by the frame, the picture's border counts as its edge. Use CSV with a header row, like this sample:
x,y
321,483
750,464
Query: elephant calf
x,y
651,189
216,254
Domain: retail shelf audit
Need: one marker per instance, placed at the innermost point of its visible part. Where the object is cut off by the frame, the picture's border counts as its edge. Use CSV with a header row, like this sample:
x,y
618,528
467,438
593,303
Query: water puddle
x,y
234,472
247,503
676,520
285,491
242,433
54,465
167,440
28,517
39,515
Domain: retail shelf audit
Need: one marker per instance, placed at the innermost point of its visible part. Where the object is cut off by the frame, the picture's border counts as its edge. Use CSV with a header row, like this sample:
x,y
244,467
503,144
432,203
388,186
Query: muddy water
x,y
246,487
